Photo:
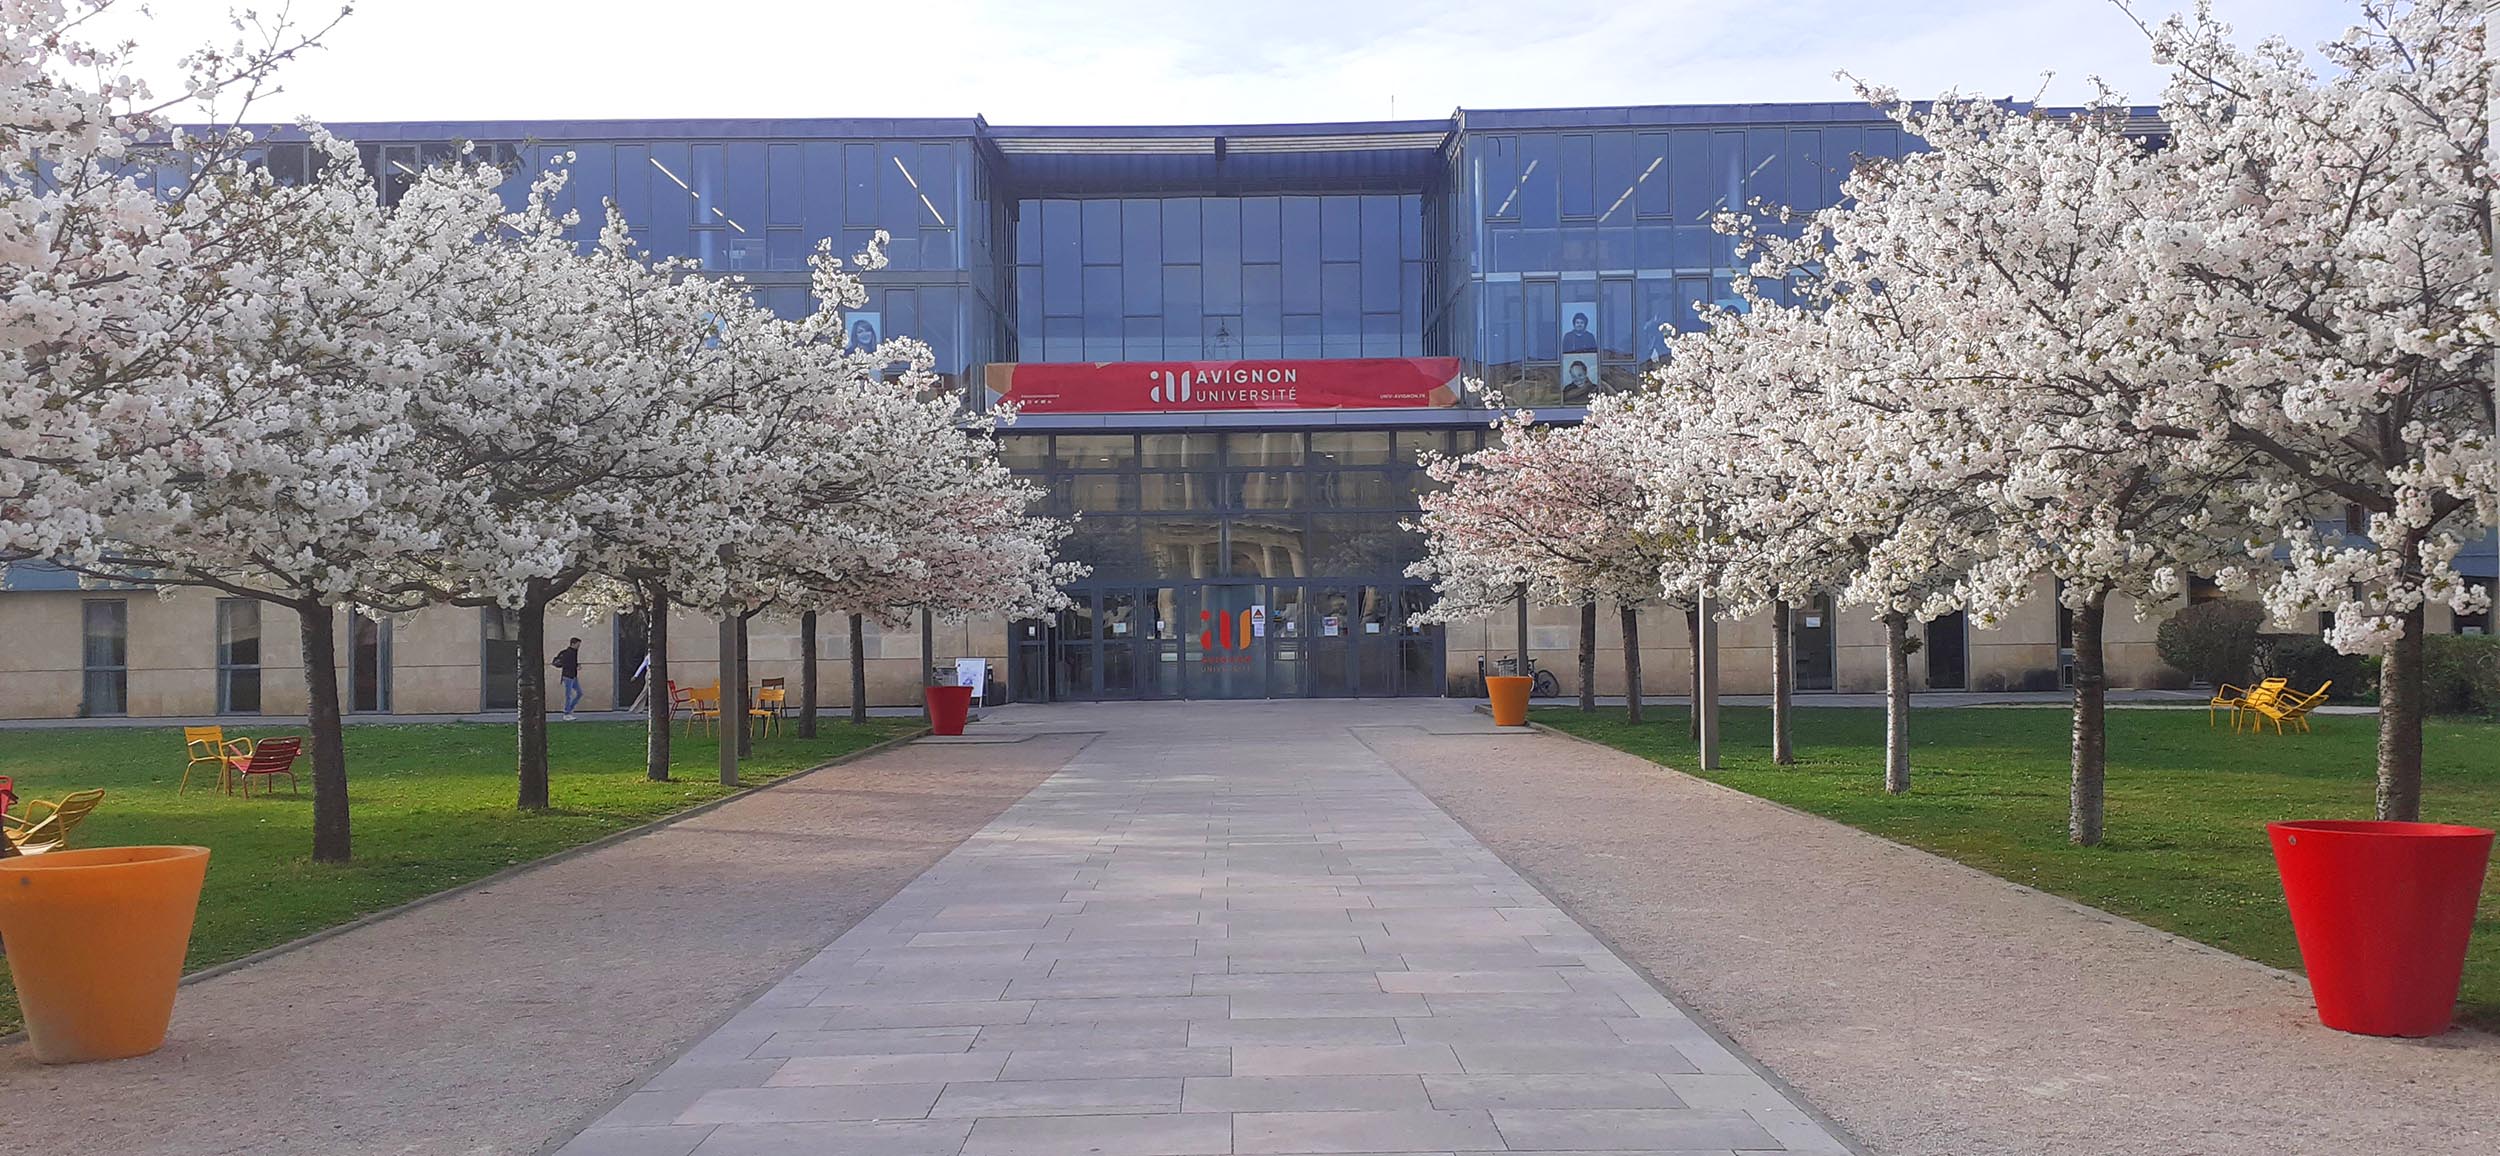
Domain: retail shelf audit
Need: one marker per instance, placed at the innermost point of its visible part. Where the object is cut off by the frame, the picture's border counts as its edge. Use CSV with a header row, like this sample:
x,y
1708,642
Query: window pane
x,y
107,631
1096,451
238,632
1578,199
1178,451
1102,232
1263,449
1340,228
1368,448
1262,230
1181,228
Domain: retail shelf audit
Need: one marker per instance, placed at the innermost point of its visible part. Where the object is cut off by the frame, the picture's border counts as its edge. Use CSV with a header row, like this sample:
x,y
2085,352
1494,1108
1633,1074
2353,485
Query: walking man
x,y
569,664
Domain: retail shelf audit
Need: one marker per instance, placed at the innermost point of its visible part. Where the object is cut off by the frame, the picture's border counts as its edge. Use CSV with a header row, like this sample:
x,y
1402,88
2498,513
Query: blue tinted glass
x,y
1544,317
1498,157
593,181
941,325
634,175
1101,232
901,308
1301,247
1181,227
1142,339
1221,230
1540,205
1615,247
1614,317
1102,295
898,204
1221,283
1841,148
1657,308
1302,336
664,231
1612,173
1103,333
703,172
1654,181
1262,302
1029,302
1029,233
1410,307
1141,252
785,185
859,183
1654,247
1181,310
1262,231
1063,339
1380,335
821,168
1504,334
935,169
742,186
1578,199
1341,296
1062,252
1410,209
1340,228
1766,167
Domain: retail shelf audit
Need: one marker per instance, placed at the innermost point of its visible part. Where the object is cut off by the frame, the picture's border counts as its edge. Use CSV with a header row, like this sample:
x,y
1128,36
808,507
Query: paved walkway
x,y
1934,1010
1222,928
498,1020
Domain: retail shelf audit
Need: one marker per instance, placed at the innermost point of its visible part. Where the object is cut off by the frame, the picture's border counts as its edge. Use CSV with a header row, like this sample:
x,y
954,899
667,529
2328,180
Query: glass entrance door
x,y
1810,631
1228,656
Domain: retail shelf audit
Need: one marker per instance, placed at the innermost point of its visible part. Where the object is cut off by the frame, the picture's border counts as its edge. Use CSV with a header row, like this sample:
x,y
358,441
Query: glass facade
x,y
1233,553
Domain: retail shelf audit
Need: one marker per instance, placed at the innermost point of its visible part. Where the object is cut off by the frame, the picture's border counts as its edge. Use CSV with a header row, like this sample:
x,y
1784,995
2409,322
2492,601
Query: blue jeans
x,y
572,693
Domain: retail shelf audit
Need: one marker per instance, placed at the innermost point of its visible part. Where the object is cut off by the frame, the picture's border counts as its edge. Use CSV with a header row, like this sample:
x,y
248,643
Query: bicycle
x,y
1541,683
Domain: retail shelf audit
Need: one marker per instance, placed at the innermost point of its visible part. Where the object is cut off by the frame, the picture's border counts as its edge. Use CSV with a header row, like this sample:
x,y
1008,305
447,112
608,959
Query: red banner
x,y
1193,386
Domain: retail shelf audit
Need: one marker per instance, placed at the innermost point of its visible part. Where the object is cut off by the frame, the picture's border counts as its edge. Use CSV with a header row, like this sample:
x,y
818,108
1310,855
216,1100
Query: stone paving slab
x,y
1246,935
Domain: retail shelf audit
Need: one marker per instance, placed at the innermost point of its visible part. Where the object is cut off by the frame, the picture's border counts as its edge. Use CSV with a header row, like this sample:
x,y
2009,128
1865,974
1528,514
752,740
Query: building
x,y
1228,343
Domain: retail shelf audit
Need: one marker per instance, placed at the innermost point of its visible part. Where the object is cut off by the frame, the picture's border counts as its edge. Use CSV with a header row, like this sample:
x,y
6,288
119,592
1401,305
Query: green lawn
x,y
2186,846
431,808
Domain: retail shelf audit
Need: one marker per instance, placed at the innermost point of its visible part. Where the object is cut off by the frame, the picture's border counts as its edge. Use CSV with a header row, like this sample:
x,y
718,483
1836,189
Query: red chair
x,y
8,793
270,757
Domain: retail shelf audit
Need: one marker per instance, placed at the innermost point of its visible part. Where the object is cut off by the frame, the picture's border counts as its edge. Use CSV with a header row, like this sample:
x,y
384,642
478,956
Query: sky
x,y
1176,61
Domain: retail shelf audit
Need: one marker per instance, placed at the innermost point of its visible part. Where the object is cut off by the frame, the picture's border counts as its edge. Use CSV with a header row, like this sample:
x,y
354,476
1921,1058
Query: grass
x,y
2185,848
431,808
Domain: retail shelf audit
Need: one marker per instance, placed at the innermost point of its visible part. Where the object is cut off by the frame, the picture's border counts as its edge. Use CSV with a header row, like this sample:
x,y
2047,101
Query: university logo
x,y
1173,388
1221,634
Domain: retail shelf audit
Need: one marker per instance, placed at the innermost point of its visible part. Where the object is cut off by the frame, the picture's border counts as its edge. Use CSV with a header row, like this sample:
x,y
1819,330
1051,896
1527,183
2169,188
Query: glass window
x,y
1096,451
105,657
1544,319
1102,232
1181,230
1263,449
1098,493
1177,451
499,653
1361,544
1412,444
1181,548
1497,159
1540,206
1365,448
1263,490
238,656
859,173
1062,260
1267,546
368,664
1262,229
1340,227
1341,297
1173,493
1578,198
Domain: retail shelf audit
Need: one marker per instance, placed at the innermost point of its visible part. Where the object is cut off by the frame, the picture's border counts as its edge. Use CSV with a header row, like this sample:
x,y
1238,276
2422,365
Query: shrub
x,y
2214,641
2461,674
2306,660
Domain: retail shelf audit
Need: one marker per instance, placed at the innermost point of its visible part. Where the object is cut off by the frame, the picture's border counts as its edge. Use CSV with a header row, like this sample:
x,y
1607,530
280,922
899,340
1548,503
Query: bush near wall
x,y
2461,674
2306,660
2215,641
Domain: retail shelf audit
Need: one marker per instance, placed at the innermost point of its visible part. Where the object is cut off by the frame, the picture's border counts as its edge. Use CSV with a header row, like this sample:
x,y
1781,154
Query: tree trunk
x,y
329,730
2400,725
655,692
733,696
1631,662
1588,657
928,660
1896,703
859,673
1523,634
807,675
2091,761
746,740
1783,684
1692,630
531,694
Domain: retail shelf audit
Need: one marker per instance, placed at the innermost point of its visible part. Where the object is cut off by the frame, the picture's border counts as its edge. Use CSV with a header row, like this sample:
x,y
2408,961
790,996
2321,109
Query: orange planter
x,y
95,941
1510,698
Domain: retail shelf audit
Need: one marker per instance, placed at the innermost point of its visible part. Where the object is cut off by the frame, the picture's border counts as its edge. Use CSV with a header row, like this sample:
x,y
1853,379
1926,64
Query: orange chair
x,y
210,745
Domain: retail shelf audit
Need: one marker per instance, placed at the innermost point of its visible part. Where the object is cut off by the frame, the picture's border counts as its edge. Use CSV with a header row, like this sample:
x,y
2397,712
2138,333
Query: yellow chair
x,y
29,835
2289,707
210,745
703,706
2238,701
769,701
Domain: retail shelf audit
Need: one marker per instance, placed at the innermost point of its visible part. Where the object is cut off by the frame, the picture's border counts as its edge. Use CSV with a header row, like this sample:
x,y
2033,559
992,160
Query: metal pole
x,y
733,698
1706,692
1523,632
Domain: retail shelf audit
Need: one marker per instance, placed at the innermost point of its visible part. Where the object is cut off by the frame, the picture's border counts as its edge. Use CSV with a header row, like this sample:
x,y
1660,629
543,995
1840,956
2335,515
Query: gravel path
x,y
503,1018
1934,1009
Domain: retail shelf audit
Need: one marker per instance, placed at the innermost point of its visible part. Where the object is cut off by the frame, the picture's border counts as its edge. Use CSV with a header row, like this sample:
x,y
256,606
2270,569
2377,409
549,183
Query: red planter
x,y
2383,912
947,707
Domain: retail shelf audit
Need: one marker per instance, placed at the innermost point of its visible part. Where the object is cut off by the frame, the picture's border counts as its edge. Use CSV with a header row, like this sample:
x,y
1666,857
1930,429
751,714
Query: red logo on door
x,y
1222,635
